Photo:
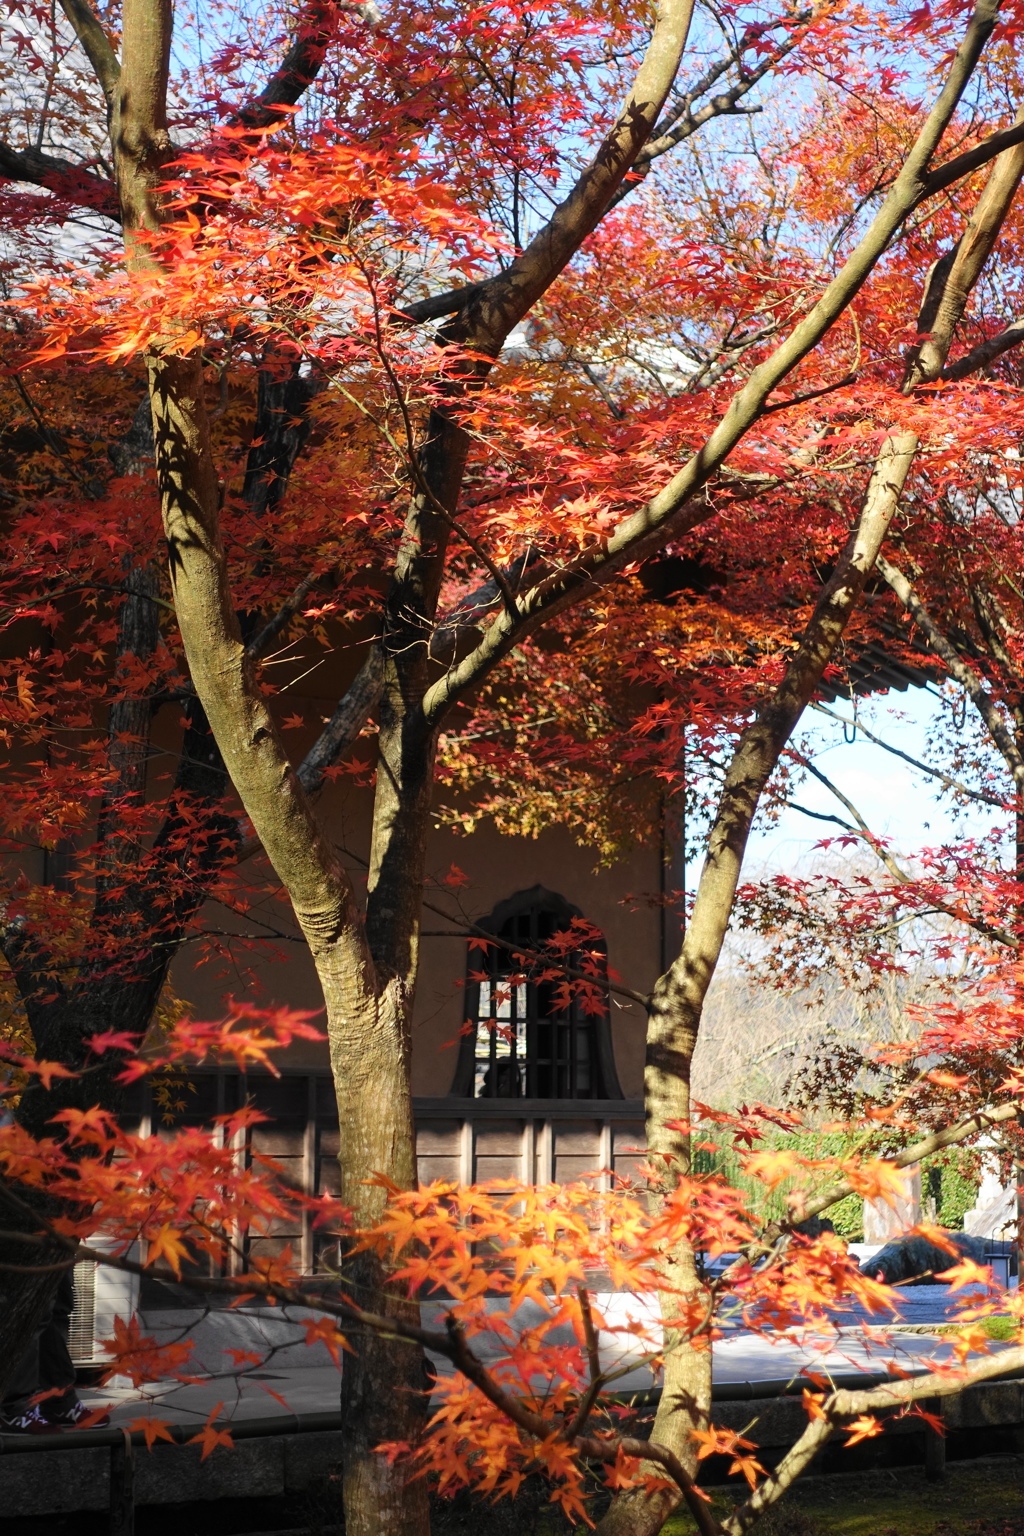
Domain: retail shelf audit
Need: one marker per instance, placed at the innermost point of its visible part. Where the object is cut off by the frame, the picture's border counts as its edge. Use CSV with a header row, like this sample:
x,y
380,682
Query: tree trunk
x,y
384,1381
684,1405
678,1000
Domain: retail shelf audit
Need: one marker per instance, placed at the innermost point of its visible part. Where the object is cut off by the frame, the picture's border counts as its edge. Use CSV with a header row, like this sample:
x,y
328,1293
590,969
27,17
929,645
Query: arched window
x,y
521,1044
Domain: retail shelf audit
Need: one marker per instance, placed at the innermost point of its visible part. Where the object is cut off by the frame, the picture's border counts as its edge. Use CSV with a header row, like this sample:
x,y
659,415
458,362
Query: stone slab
x,y
63,1482
54,1482
173,1474
308,1458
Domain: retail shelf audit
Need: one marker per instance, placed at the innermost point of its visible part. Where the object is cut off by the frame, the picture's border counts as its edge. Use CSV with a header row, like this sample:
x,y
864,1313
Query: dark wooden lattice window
x,y
522,1044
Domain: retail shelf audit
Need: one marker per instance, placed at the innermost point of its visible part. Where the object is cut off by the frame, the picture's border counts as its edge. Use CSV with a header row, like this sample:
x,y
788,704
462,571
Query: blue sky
x,y
895,800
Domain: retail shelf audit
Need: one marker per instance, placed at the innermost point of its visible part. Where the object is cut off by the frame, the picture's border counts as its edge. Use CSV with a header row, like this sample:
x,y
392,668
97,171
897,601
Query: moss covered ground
x,y
976,1498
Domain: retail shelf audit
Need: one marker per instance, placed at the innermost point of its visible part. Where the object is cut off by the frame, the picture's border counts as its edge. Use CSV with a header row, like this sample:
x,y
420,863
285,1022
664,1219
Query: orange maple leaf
x,y
621,1473
167,1244
934,1420
749,1466
209,1437
965,1273
772,1167
877,1179
864,1428
324,1330
153,1429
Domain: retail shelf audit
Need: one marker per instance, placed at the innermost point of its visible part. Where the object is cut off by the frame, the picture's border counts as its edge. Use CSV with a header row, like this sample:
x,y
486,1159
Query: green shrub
x,y
957,1167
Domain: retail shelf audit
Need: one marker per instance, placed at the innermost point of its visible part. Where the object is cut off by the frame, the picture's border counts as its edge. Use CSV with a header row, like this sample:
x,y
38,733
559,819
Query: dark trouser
x,y
47,1361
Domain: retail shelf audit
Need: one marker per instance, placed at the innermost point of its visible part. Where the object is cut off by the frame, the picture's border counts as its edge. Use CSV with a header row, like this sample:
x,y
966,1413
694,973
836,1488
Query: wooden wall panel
x,y
438,1145
463,1140
577,1149
628,1150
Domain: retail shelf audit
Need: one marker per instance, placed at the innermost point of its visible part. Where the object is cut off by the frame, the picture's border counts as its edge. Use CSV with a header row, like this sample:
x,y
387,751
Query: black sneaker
x,y
76,1415
26,1421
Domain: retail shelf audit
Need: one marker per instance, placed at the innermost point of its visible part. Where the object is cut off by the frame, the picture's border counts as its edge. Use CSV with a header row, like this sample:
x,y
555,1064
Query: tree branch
x,y
965,263
451,1344
984,353
265,637
796,1460
679,996
300,66
340,733
850,1405
61,177
958,669
951,1136
971,160
97,46
982,796
668,135
684,123
345,724
676,506
999,935
492,308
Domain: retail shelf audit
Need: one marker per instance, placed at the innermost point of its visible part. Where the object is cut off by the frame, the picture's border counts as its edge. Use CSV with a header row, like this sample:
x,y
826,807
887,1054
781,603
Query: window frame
x,y
536,901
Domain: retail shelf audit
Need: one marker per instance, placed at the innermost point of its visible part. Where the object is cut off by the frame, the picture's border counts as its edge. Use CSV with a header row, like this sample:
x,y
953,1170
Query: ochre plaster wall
x,y
496,867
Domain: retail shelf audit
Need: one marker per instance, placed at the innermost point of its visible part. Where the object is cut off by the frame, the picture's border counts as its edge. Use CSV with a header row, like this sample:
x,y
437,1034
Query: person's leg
x,y
56,1368
24,1383
18,1414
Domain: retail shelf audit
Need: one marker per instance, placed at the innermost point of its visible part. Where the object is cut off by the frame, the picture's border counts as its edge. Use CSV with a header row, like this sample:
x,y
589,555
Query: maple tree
x,y
281,262
535,1352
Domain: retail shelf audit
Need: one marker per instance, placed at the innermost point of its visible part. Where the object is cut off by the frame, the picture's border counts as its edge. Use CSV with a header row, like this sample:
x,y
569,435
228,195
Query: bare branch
x,y
676,507
848,1404
984,353
685,123
97,46
899,874
944,779
61,177
958,669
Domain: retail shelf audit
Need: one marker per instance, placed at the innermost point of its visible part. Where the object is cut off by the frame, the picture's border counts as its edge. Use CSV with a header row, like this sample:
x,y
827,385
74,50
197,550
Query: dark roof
x,y
870,668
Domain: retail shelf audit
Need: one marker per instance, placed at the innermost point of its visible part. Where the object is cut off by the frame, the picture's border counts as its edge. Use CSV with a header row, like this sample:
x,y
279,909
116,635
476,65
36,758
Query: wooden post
x,y
467,1151
122,1486
934,1445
